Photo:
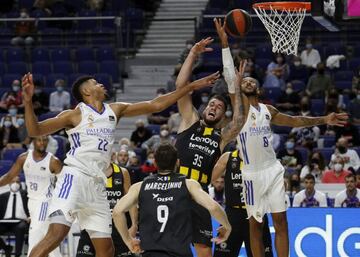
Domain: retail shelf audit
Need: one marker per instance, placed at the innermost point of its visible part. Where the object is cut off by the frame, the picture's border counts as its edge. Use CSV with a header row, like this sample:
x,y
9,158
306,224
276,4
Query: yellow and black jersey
x,y
115,185
233,181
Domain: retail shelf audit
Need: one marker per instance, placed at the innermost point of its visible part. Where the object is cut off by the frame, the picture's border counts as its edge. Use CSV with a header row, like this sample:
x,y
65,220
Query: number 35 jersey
x,y
198,150
91,141
255,140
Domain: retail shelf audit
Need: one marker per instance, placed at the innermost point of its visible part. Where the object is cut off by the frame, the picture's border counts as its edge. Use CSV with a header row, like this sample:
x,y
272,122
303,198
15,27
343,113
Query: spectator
x,y
149,165
310,57
356,80
309,197
43,5
337,174
315,166
122,158
18,213
204,101
290,157
349,156
96,5
164,137
162,117
217,192
9,134
307,137
348,131
297,70
170,85
305,106
12,97
289,101
357,174
319,83
60,99
140,134
24,30
134,170
349,197
21,128
174,123
354,109
40,99
334,102
294,184
277,72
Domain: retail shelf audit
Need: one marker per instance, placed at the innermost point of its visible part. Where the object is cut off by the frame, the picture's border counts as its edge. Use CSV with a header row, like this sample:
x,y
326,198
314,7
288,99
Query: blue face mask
x,y
59,89
7,123
12,111
289,145
308,46
20,121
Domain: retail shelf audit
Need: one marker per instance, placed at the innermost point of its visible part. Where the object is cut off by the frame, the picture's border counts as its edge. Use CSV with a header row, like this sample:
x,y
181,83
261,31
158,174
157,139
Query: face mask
x,y
308,46
314,161
20,121
279,59
23,15
7,123
59,89
288,91
358,97
37,91
295,183
164,133
204,99
149,162
289,145
12,111
14,187
342,149
228,114
15,88
338,167
297,63
189,46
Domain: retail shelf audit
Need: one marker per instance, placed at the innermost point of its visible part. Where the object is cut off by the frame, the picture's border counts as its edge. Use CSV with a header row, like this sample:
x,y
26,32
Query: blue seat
x,y
48,115
85,54
12,154
119,5
263,52
326,152
317,107
38,13
15,54
354,63
281,129
43,68
262,63
38,79
104,79
88,67
343,85
62,141
300,73
298,85
26,4
154,128
103,36
5,166
52,78
73,77
7,79
304,154
87,24
110,23
105,53
329,141
50,36
2,69
60,54
40,54
343,76
135,18
111,68
335,48
63,67
17,67
272,93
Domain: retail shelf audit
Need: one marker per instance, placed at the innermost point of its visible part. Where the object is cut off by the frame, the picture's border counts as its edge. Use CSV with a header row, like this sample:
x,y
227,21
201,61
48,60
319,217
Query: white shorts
x,y
78,195
39,224
264,191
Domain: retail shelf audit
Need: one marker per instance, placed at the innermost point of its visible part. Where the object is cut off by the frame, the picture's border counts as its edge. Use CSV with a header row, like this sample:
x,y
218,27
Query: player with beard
x,y
263,174
201,141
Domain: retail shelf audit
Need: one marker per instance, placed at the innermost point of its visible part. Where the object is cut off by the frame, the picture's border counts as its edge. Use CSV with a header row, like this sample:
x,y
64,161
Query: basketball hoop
x,y
283,21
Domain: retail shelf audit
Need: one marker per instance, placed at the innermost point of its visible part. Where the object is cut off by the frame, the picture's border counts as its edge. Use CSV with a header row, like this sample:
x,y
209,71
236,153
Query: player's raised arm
x,y
160,103
220,167
55,165
186,109
14,171
204,199
122,206
281,119
65,119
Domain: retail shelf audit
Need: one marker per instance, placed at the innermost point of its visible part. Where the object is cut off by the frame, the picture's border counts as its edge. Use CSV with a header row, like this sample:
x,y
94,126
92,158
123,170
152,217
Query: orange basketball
x,y
238,23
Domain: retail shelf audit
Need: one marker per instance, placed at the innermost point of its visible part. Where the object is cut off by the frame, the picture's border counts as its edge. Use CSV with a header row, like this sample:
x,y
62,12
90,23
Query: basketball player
x,y
201,141
117,185
165,210
263,174
39,168
80,191
231,164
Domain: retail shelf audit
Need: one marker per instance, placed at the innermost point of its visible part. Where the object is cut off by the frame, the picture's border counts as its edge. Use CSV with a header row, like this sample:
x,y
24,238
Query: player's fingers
x,y
208,49
224,24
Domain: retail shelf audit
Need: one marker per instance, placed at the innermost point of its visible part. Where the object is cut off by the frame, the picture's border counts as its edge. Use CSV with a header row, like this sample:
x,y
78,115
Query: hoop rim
x,y
280,6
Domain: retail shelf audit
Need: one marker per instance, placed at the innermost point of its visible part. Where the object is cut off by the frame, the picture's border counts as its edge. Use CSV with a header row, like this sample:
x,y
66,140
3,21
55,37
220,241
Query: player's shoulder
x,y
22,157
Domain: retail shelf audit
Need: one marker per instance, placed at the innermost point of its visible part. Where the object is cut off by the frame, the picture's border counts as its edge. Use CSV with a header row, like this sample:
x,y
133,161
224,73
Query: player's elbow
x,y
117,213
212,207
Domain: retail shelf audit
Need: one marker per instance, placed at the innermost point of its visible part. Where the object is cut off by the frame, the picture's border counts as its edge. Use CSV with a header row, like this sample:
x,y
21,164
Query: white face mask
x,y
297,63
288,91
14,187
7,123
338,167
228,114
164,133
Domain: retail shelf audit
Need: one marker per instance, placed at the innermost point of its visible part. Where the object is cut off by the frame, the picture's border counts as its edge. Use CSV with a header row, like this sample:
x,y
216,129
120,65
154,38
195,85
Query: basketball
x,y
238,23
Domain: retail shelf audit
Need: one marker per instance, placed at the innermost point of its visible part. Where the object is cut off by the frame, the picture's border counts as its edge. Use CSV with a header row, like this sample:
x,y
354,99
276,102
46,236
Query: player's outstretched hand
x,y
134,245
201,46
337,119
223,234
27,87
220,29
205,81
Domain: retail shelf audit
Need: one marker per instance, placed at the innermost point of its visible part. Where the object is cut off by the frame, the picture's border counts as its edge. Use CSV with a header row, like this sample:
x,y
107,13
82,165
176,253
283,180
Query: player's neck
x,y
351,193
39,155
96,104
164,172
253,100
309,192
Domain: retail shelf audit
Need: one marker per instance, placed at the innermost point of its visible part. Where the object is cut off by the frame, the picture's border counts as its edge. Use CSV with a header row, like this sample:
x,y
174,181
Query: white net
x,y
283,26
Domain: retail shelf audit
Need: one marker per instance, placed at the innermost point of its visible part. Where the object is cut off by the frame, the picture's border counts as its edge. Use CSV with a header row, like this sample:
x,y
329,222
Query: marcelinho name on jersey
x,y
162,186
255,131
203,148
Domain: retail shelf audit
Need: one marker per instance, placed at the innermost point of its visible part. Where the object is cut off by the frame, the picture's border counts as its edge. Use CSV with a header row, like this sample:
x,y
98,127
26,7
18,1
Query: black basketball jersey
x,y
233,181
198,150
164,214
115,186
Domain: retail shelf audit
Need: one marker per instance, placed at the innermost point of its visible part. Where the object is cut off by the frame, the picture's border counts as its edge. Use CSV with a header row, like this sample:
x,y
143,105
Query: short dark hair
x,y
75,89
220,98
351,176
166,157
309,177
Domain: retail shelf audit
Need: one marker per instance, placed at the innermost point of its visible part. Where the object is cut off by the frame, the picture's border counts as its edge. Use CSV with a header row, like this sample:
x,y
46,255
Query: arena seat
x,y
317,107
328,141
12,154
40,54
105,53
354,63
326,152
298,85
15,54
5,166
2,69
60,54
343,75
111,68
263,51
17,67
85,54
7,79
343,85
154,128
88,67
262,63
43,68
64,67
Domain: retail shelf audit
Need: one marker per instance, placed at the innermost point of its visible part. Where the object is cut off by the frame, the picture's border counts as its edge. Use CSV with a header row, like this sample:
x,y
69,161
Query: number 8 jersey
x,y
255,140
91,141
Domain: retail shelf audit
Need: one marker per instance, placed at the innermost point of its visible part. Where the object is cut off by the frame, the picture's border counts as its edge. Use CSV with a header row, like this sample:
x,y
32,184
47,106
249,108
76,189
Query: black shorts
x,y
201,225
240,234
162,254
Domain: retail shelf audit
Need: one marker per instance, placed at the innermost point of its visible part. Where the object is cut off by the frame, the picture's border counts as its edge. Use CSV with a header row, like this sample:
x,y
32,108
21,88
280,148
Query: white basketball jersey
x,y
255,140
91,141
40,182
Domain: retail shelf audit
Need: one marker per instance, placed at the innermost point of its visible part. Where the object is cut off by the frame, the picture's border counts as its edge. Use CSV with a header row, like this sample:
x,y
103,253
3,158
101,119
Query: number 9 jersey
x,y
91,141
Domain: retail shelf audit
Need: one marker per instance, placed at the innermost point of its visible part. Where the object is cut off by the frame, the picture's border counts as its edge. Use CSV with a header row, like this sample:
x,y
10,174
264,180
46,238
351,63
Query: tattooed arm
x,y
281,119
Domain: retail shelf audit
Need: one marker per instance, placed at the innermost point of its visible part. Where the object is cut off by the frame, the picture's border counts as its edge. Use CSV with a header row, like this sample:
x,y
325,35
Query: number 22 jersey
x,y
91,141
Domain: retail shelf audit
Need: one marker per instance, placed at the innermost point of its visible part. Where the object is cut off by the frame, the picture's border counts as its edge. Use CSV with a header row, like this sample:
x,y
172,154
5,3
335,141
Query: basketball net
x,y
283,26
